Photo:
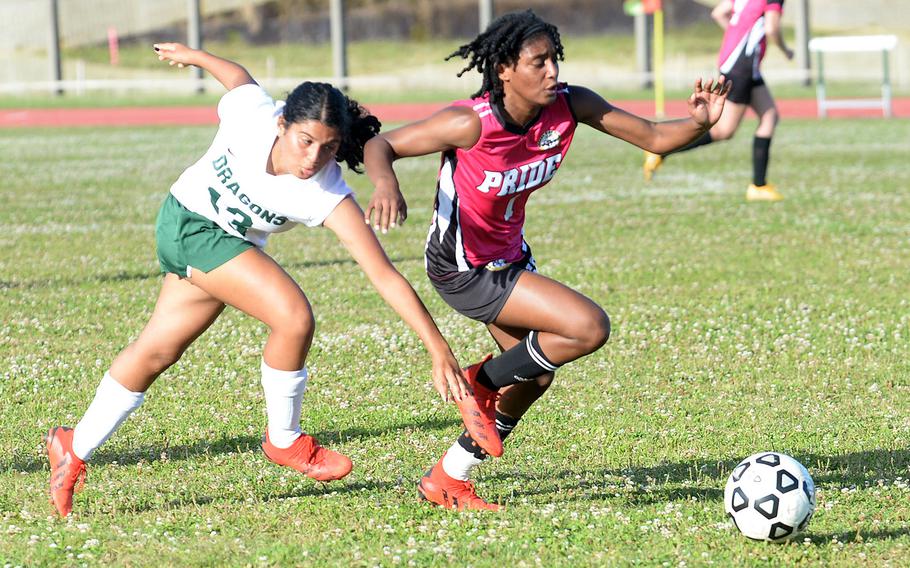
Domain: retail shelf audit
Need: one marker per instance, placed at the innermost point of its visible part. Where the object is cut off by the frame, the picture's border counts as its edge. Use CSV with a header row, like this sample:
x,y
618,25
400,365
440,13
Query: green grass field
x,y
736,328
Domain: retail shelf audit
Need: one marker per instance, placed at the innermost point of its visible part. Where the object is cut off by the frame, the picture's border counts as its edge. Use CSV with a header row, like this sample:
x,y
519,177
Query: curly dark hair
x,y
500,44
328,105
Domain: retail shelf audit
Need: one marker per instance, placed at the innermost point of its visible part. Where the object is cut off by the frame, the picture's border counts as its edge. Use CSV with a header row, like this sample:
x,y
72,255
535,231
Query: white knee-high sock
x,y
112,404
458,462
283,398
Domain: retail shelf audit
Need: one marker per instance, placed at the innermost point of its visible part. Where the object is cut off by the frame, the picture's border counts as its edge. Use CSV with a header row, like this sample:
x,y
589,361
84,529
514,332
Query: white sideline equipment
x,y
883,44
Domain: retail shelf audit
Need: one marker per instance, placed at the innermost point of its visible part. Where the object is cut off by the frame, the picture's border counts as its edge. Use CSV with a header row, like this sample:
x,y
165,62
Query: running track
x,y
126,116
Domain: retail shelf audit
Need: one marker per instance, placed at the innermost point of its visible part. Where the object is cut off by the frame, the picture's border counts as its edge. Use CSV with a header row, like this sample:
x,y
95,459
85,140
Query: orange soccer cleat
x,y
308,457
479,412
67,470
440,489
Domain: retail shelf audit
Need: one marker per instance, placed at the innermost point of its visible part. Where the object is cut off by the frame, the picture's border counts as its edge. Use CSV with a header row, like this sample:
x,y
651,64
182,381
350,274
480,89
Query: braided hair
x,y
500,44
326,104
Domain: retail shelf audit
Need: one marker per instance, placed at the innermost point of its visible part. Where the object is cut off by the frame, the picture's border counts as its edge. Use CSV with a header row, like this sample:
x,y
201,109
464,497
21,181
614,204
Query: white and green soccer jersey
x,y
230,185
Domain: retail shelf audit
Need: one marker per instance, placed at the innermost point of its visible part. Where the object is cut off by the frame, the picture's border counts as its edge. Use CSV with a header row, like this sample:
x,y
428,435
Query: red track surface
x,y
125,116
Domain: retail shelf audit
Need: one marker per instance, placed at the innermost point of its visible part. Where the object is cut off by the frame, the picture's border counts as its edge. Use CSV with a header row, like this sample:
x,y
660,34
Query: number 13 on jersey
x,y
241,221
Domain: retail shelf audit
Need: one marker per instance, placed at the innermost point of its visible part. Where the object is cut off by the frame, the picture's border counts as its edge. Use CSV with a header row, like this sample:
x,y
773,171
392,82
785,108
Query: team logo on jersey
x,y
497,265
549,139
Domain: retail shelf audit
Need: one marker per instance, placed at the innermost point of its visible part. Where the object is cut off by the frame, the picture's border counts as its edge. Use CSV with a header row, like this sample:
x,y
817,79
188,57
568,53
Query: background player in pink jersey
x,y
497,148
748,24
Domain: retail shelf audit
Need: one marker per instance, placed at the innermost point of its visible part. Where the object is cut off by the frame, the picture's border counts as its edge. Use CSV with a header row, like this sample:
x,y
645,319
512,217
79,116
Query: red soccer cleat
x,y
479,412
308,457
440,489
67,471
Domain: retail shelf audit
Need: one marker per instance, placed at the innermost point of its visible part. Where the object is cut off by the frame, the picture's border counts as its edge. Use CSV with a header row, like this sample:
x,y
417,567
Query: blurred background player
x,y
271,166
748,25
498,147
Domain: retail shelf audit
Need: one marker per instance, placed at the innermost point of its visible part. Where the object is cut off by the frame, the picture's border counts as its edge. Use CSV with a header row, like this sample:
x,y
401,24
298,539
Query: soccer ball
x,y
770,496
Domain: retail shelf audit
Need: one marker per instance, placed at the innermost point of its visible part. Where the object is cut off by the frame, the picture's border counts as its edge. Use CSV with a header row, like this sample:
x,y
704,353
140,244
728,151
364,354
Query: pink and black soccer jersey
x,y
481,192
744,40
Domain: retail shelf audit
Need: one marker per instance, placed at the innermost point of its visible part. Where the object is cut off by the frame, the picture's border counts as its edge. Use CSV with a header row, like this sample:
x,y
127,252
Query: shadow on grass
x,y
224,445
344,261
312,489
859,535
660,484
652,484
42,283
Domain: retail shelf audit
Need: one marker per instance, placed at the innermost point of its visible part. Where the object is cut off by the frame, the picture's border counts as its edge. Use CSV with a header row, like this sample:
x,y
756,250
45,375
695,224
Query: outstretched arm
x,y
346,221
452,127
227,72
774,34
705,106
722,13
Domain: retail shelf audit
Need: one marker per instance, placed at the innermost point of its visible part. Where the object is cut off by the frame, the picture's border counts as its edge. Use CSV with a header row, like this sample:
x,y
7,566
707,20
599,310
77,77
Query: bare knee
x,y
719,133
294,320
593,330
157,357
767,123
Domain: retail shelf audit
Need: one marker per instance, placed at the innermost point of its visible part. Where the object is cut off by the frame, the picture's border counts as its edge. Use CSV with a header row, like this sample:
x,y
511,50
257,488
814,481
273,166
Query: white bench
x,y
853,44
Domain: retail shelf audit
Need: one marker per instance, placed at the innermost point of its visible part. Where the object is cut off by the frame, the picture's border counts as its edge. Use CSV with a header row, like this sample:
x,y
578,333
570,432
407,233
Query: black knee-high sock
x,y
521,363
700,141
504,425
761,153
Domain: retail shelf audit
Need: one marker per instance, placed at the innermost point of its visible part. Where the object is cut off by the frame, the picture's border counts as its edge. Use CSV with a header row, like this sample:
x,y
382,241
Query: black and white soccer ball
x,y
770,496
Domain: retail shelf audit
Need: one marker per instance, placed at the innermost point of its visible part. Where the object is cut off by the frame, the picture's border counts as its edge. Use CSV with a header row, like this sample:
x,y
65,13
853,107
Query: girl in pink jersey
x,y
271,165
747,24
497,148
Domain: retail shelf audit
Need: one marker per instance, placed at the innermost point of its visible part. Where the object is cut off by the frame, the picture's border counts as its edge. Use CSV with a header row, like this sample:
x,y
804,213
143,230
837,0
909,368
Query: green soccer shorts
x,y
186,239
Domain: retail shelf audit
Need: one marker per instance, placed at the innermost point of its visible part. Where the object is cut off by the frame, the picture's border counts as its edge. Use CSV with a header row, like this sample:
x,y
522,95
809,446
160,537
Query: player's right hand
x,y
389,207
174,53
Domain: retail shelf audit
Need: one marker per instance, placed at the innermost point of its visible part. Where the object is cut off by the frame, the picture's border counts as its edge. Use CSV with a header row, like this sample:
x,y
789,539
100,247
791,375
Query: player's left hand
x,y
707,101
448,378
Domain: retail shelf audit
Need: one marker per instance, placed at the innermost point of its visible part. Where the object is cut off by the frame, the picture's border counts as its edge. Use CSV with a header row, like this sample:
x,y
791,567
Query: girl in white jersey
x,y
497,148
271,166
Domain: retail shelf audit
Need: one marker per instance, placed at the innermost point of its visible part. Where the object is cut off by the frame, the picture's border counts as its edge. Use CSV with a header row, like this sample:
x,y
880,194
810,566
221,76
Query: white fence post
x,y
339,45
53,49
194,39
485,11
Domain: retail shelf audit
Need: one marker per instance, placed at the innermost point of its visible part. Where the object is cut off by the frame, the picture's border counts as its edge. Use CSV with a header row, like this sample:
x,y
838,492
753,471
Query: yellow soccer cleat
x,y
652,162
765,192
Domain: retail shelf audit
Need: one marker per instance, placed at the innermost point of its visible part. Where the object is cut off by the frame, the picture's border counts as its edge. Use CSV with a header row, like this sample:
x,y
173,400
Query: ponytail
x,y
363,126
